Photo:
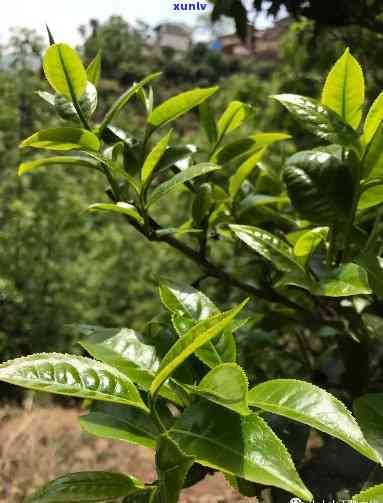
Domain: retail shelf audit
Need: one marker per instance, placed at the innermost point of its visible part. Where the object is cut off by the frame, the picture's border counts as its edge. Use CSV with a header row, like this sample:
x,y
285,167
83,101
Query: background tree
x,y
325,13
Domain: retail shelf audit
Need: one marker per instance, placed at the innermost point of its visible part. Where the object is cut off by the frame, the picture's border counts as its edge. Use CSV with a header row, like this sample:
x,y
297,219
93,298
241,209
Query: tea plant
x,y
177,388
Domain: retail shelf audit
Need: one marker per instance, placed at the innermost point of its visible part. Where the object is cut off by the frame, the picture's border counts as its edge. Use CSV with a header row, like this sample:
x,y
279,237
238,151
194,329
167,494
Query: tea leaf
x,y
64,71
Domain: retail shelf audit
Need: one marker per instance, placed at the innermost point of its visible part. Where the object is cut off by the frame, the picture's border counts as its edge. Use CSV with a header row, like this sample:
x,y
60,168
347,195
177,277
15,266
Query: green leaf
x,y
373,119
28,167
371,495
226,385
308,241
87,103
319,120
335,150
222,349
73,376
258,200
154,158
87,486
343,91
118,422
293,434
240,445
265,139
125,350
347,279
147,99
202,203
246,146
172,156
299,279
233,117
184,176
243,172
373,157
186,300
121,207
63,139
64,71
272,248
234,151
208,122
47,97
94,69
320,187
123,100
172,466
179,105
188,306
371,197
195,338
308,404
372,264
368,411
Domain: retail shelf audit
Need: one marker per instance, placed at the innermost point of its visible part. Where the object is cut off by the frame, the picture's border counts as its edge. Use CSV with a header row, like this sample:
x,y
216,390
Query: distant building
x,y
232,45
264,44
174,36
268,41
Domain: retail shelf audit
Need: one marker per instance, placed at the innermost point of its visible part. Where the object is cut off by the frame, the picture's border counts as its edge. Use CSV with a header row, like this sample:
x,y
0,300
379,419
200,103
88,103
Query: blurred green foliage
x,y
54,266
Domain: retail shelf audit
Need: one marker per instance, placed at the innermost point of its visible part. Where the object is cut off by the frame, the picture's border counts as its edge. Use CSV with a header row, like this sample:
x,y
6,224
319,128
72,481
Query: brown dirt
x,y
44,443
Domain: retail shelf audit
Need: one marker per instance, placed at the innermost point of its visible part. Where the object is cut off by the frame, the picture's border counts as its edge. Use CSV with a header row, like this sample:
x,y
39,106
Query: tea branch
x,y
211,269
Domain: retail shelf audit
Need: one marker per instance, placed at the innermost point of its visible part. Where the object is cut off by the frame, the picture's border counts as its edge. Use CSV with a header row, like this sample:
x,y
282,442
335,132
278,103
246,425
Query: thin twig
x,y
211,269
303,346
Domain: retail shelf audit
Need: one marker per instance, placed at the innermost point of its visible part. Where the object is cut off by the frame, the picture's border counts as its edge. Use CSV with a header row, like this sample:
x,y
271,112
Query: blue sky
x,y
66,15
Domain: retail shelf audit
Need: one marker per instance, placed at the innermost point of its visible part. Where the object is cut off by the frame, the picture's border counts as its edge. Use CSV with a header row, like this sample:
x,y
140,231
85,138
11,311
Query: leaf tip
x,y
24,143
21,169
50,36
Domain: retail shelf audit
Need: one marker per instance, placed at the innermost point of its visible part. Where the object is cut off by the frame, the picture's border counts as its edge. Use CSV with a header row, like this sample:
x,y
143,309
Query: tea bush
x,y
312,228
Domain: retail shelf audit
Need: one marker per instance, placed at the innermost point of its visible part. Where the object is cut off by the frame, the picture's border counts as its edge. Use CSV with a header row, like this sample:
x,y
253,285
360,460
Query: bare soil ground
x,y
44,443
